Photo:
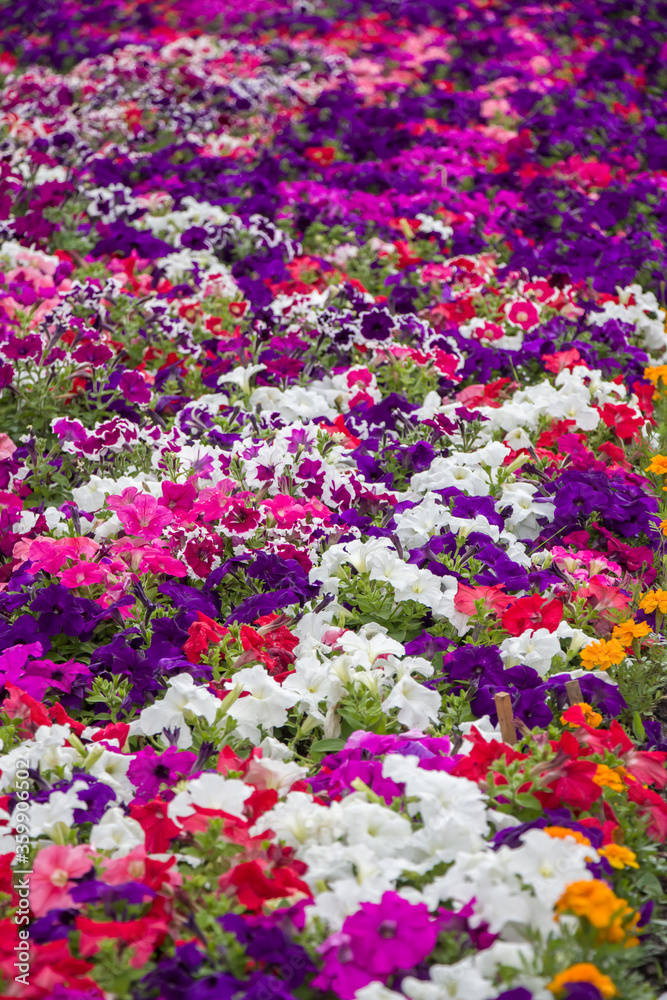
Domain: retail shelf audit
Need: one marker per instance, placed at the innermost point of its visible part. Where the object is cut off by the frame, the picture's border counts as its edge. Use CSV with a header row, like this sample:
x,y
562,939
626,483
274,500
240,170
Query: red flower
x,y
338,429
254,884
158,828
200,633
533,612
622,418
652,805
573,787
321,155
476,764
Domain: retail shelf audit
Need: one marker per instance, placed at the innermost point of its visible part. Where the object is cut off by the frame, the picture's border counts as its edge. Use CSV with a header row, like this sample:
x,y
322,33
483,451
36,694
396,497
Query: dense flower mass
x,y
333,458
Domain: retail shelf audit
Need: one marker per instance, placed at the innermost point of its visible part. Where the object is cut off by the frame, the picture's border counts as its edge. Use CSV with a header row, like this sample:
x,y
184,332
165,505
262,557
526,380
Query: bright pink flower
x,y
524,314
83,574
145,517
54,870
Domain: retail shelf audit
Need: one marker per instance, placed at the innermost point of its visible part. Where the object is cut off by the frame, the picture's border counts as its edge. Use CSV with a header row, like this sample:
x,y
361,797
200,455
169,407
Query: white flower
x,y
365,649
418,706
549,864
534,648
437,792
47,819
460,981
210,791
299,821
111,768
311,684
182,697
278,774
241,376
265,706
377,827
117,833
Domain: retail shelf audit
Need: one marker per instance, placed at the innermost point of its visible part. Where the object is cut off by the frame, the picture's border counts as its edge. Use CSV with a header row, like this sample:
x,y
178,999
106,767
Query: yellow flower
x,y
654,600
625,632
658,464
655,373
583,972
610,777
619,856
612,916
602,654
663,527
561,832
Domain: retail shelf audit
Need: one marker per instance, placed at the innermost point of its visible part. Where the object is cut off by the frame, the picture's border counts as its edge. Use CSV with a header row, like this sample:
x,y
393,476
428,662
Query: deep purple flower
x,y
58,611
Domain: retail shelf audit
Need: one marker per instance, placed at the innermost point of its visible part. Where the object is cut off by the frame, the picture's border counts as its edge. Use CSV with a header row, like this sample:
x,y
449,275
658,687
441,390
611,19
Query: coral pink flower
x,y
54,869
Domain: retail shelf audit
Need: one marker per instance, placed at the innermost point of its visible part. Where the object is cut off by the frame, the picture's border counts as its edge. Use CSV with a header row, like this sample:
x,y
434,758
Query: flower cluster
x,y
333,452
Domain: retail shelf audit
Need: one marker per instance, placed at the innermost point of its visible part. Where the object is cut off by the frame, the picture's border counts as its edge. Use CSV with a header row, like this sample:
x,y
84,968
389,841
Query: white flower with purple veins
x,y
182,699
266,705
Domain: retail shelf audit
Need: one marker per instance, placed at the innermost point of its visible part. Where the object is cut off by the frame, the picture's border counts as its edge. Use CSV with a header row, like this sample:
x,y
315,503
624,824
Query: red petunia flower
x,y
533,612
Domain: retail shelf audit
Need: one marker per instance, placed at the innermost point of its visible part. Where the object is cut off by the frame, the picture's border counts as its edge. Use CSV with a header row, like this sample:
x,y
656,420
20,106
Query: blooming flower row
x,y
333,396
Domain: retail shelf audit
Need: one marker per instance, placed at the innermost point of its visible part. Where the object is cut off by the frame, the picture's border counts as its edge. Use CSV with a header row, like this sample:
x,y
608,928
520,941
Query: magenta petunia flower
x,y
145,517
390,935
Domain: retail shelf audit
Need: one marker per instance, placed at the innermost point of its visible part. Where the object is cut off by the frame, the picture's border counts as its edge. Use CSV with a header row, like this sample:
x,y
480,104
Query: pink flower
x,y
524,314
83,574
54,869
145,517
7,447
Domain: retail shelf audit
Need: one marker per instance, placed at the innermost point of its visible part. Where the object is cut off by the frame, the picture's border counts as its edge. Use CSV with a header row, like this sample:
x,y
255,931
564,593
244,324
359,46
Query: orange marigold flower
x,y
625,632
583,972
560,832
658,464
655,373
654,600
610,777
612,916
619,856
602,654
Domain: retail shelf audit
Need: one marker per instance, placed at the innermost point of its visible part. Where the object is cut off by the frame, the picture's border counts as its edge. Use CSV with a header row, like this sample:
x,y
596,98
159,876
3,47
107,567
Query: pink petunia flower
x,y
145,517
54,870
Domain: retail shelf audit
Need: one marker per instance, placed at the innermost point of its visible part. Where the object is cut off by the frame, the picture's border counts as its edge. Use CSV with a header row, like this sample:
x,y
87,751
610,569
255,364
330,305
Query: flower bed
x,y
333,402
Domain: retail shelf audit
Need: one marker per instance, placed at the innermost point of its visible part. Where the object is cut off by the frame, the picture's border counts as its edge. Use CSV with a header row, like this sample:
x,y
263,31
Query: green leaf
x,y
638,728
326,746
528,801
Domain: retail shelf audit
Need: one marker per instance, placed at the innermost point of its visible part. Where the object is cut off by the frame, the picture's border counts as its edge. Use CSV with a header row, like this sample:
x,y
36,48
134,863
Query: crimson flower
x,y
533,612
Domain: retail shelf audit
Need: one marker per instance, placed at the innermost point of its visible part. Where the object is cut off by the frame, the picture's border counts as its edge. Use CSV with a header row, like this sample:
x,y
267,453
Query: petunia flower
x,y
54,870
